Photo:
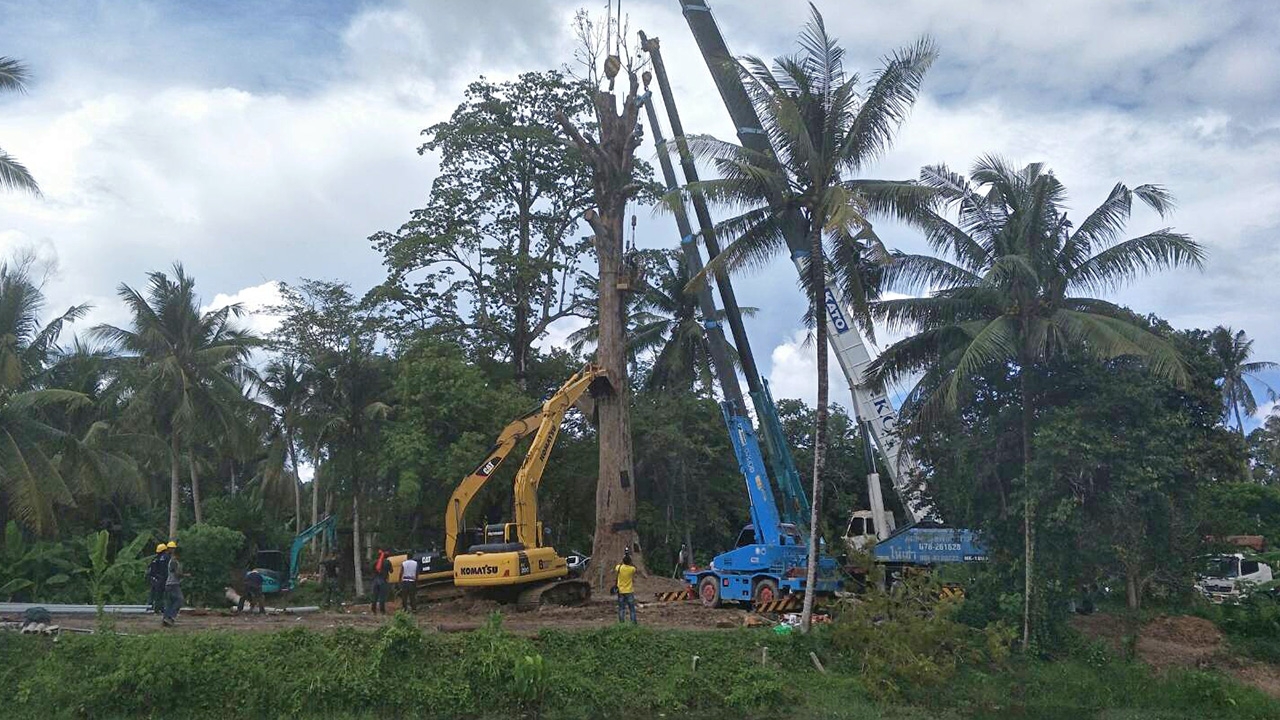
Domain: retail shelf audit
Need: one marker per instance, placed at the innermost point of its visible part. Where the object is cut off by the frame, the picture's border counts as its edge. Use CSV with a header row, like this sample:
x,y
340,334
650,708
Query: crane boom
x,y
795,505
874,408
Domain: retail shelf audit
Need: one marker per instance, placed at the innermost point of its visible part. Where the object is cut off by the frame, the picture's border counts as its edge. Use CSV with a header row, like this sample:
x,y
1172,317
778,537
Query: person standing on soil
x,y
682,561
625,582
172,587
381,571
409,584
157,573
332,592
252,593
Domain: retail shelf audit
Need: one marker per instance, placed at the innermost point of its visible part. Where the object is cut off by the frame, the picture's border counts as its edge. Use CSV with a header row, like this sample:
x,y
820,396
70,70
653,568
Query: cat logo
x,y
480,570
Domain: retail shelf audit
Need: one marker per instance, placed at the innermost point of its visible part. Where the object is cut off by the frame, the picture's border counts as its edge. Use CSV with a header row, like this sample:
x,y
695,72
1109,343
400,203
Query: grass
x,y
615,672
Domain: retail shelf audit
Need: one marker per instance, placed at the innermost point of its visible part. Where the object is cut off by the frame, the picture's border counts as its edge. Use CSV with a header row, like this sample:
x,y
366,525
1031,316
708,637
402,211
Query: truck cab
x,y
1231,576
860,533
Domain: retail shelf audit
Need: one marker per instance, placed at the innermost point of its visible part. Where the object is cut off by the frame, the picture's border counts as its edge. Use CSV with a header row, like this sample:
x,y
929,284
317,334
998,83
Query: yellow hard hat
x,y
171,545
161,547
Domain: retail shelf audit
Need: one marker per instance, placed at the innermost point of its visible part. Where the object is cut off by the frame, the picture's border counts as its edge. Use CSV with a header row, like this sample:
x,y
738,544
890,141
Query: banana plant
x,y
33,569
119,574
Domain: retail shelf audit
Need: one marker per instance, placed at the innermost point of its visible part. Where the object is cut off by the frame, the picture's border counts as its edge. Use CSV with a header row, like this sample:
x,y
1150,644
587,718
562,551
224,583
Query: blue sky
x,y
265,141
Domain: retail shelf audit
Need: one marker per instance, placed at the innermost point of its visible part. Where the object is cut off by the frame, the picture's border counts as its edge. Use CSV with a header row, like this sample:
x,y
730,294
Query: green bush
x,y
209,557
1254,616
245,513
908,636
625,672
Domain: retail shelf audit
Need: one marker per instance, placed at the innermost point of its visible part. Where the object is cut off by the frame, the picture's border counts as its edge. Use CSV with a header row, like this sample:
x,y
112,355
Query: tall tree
x,y
1011,297
1264,451
13,174
183,369
825,126
31,481
1233,350
493,259
327,330
614,183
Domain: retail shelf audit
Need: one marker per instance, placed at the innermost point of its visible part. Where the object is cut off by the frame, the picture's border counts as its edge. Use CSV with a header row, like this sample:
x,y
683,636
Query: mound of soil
x,y
1183,630
1179,641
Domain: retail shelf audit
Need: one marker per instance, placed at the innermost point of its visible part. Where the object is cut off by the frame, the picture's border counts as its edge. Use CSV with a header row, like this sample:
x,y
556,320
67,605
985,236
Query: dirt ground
x,y
456,614
1180,641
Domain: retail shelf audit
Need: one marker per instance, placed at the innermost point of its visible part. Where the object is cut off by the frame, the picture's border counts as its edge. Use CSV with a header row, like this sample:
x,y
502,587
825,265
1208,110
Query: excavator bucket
x,y
601,386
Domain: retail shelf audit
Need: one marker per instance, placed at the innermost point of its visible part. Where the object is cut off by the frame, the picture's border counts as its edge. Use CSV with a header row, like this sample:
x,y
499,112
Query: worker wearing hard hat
x,y
172,586
157,573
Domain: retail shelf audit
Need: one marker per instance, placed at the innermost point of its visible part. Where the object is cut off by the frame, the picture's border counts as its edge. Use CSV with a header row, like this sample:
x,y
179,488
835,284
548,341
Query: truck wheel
x,y
766,590
709,591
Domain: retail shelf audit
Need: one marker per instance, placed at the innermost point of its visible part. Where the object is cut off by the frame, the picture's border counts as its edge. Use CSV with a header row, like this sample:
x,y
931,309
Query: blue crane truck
x,y
770,559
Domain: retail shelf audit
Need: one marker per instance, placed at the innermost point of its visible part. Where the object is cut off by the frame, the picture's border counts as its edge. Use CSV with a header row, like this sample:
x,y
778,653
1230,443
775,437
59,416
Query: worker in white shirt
x,y
409,584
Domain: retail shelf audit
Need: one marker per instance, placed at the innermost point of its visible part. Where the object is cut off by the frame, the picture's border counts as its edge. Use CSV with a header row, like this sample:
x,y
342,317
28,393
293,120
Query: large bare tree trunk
x,y
195,485
817,291
612,159
175,483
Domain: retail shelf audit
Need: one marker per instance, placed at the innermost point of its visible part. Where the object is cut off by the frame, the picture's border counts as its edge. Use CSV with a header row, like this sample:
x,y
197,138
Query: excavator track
x,y
564,591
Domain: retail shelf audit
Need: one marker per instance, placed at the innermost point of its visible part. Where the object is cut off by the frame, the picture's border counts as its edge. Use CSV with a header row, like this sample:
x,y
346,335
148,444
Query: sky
x,y
259,142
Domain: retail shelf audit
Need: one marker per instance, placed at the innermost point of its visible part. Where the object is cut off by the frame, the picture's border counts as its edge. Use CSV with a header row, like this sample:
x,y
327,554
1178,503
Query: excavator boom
x,y
472,483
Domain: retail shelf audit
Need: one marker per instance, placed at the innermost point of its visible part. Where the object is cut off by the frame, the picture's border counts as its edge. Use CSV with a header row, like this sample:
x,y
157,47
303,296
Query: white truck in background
x,y
1232,576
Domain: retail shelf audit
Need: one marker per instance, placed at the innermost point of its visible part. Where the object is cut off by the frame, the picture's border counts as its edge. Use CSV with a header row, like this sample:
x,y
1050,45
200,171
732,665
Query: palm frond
x,y
1126,260
892,94
15,176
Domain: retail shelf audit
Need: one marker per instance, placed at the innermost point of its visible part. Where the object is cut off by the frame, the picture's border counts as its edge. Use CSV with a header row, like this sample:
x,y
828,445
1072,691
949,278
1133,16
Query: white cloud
x,y
272,152
256,302
558,333
1265,410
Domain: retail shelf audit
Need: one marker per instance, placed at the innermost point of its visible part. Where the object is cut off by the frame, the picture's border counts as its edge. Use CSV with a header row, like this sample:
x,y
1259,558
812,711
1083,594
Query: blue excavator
x,y
280,576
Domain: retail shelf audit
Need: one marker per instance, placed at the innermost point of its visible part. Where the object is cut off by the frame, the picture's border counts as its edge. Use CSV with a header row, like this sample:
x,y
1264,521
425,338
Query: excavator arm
x,y
471,484
327,526
529,476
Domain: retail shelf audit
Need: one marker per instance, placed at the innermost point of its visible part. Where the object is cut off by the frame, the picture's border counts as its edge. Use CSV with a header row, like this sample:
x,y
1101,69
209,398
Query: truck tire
x,y
709,591
766,590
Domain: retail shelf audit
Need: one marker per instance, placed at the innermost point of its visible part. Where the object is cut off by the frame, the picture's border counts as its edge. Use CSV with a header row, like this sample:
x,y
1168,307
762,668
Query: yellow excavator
x,y
436,569
515,563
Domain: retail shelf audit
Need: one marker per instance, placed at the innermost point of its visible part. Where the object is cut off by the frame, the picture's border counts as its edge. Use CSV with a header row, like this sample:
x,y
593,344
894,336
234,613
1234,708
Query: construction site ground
x,y
1179,641
457,614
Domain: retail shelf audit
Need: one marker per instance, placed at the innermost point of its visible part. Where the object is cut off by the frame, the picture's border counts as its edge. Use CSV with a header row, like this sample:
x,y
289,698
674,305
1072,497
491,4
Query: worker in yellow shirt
x,y
626,573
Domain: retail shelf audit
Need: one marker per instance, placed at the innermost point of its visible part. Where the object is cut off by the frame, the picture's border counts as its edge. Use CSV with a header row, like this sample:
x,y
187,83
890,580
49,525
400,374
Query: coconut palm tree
x,y
1015,293
284,387
32,482
1233,350
826,126
13,175
183,369
105,463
